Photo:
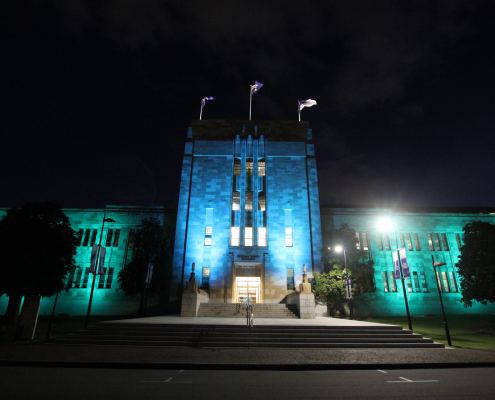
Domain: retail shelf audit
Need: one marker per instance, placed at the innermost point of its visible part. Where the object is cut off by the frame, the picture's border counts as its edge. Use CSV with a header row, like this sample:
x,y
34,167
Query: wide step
x,y
232,310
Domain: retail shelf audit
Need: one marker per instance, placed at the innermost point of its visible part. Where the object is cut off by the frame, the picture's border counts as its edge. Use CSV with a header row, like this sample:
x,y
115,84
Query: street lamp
x,y
435,265
386,225
96,267
338,249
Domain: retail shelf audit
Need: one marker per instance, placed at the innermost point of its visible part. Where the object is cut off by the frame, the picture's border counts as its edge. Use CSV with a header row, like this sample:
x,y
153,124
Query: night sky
x,y
96,96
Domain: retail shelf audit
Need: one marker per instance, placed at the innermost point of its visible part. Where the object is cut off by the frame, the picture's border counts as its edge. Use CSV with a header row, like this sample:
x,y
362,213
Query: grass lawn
x,y
475,331
62,325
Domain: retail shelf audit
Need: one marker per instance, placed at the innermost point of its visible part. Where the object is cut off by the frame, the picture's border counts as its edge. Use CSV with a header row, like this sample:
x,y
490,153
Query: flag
x,y
102,261
203,102
396,265
257,86
306,103
403,260
148,275
94,250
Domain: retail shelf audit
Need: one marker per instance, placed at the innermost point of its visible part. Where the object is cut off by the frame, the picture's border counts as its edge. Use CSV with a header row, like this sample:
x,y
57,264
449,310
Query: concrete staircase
x,y
233,310
210,336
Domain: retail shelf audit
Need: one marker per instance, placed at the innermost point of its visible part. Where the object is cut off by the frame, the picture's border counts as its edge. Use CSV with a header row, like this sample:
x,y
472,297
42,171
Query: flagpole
x,y
201,111
299,110
250,100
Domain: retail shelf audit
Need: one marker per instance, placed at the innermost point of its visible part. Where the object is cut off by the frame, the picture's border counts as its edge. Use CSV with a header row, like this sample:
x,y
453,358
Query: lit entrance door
x,y
248,286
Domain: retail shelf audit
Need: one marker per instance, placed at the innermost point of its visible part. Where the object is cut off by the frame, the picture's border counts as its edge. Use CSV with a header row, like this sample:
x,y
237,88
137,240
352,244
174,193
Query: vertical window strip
x,y
453,283
290,279
93,237
424,286
85,278
261,201
387,241
409,285
458,239
86,237
248,236
205,282
109,278
288,237
79,237
101,280
116,238
132,237
393,286
236,200
262,237
438,245
430,242
249,200
402,243
380,242
409,242
416,242
385,281
416,281
445,281
208,234
249,167
366,244
358,242
237,166
77,278
108,242
234,236
445,242
261,168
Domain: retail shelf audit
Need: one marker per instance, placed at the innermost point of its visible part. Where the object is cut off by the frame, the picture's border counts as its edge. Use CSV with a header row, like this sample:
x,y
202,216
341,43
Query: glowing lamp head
x,y
385,225
338,249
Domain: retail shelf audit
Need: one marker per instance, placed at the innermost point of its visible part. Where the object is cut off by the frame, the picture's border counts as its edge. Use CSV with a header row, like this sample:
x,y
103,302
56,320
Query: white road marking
x,y
405,380
181,371
169,380
382,371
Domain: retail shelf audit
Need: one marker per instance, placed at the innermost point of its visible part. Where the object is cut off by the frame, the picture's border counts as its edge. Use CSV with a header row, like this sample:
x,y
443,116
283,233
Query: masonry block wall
x,y
423,235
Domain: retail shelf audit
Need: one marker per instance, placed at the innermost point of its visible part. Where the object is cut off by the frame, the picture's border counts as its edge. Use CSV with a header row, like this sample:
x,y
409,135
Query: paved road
x,y
80,383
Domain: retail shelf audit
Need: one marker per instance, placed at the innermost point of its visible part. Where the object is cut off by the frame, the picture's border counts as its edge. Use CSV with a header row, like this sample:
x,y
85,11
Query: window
x,y
409,242
261,168
87,235
288,237
380,242
101,281
393,286
358,243
237,166
437,242
205,282
249,166
422,277
116,238
409,285
234,236
385,281
248,236
416,242
290,279
261,201
443,281
249,200
208,232
261,236
366,244
453,283
430,242
416,282
132,237
458,239
109,238
445,242
402,243
387,241
79,237
236,201
85,278
77,278
109,278
93,237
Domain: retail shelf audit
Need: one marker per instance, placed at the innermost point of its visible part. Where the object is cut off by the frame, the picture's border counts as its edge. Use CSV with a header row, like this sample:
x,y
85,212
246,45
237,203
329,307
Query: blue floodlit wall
x,y
422,300
206,198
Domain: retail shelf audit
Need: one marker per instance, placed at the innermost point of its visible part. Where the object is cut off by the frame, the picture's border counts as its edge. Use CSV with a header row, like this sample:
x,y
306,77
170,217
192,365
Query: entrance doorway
x,y
247,286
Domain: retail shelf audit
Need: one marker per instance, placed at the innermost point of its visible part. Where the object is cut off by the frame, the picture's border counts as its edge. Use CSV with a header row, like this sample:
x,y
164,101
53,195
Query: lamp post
x,y
435,265
96,268
338,249
62,259
385,225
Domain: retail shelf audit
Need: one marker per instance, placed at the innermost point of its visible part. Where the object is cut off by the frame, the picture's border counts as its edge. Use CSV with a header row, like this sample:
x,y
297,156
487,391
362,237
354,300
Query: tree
x,y
152,245
37,246
330,286
476,266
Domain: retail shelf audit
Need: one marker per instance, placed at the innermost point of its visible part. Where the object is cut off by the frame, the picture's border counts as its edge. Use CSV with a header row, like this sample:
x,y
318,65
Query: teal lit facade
x,y
249,218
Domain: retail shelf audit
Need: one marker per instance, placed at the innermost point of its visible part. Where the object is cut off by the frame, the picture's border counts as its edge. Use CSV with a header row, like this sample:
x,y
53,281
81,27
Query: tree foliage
x,y
152,245
476,266
330,286
37,246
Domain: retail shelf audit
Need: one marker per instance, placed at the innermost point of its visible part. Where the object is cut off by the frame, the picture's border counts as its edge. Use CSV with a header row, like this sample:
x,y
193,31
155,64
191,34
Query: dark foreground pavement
x,y
276,359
